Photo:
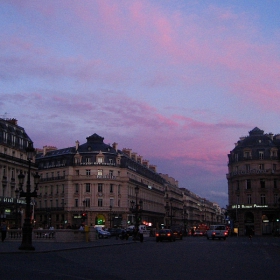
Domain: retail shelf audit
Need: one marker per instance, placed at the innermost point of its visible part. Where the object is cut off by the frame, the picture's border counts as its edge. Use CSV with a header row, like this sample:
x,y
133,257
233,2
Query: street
x,y
191,258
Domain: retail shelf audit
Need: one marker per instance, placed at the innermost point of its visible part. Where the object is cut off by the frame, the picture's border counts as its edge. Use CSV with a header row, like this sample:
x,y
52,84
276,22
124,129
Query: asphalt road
x,y
192,258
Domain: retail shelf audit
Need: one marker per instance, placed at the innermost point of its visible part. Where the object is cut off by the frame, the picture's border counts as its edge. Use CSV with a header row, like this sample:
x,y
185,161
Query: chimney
x,y
77,145
115,146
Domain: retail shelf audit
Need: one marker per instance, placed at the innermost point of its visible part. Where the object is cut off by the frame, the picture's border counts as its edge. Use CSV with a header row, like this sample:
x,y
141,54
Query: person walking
x,y
3,231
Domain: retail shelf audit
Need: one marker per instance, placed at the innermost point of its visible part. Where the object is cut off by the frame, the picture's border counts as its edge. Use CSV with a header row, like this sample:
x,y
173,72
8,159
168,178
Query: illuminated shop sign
x,y
242,206
252,171
12,200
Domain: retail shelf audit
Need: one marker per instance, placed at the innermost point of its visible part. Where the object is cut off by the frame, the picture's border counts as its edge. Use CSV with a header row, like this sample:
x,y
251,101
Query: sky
x,y
176,81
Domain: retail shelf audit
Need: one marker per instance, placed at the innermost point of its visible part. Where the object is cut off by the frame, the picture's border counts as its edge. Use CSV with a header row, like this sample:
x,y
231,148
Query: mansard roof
x,y
95,144
256,132
256,139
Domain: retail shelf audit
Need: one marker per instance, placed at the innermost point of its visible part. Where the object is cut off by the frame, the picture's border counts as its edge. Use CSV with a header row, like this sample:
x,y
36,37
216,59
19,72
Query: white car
x,y
103,233
217,231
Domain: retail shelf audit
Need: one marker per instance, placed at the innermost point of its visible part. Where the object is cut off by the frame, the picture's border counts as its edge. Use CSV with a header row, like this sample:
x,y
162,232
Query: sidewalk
x,y
44,247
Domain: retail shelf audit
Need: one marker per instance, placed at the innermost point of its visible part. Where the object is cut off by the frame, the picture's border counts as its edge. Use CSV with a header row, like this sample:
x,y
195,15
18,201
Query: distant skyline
x,y
178,82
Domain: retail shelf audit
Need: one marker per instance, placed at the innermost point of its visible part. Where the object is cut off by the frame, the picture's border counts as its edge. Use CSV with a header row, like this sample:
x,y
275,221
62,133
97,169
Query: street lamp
x,y
26,243
185,214
136,208
169,211
110,216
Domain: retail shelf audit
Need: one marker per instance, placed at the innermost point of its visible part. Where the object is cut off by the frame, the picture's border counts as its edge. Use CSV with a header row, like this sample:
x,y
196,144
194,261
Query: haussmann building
x,y
253,184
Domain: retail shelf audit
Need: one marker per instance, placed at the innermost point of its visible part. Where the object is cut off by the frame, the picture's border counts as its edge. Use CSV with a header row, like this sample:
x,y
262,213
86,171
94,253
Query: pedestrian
x,y
3,231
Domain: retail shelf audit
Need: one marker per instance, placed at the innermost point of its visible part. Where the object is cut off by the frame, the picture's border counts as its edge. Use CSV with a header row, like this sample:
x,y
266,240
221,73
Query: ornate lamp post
x,y
26,243
136,208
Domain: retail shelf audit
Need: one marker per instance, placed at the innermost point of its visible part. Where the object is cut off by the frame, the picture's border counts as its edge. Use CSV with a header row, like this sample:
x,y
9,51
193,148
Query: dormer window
x,y
99,159
261,155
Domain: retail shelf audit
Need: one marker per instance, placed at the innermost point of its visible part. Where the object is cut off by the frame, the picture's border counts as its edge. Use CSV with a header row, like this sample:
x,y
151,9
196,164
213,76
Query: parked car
x,y
103,233
165,234
115,231
217,231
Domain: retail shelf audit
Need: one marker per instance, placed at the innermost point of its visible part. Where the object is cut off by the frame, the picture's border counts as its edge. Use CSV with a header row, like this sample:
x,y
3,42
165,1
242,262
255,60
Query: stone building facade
x,y
253,183
95,183
92,183
13,160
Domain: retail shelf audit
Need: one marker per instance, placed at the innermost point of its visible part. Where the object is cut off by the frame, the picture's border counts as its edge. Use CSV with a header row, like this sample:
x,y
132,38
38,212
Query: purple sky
x,y
178,82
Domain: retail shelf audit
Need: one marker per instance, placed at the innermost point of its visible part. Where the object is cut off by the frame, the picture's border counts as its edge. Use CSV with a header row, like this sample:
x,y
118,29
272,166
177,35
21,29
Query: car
x,y
217,231
103,233
115,231
198,233
165,234
177,231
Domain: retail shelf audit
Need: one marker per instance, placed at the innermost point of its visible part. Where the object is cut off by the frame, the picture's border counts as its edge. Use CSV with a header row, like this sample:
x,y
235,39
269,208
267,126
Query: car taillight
x,y
157,234
226,233
213,233
168,234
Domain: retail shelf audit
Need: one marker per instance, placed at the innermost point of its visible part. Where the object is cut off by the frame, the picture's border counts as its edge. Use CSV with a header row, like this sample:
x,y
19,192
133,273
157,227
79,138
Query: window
x,y
57,188
88,160
275,198
248,184
262,199
56,203
100,202
57,217
77,173
111,173
88,172
111,202
262,183
119,189
99,172
249,199
274,167
111,188
237,185
261,155
275,183
236,157
100,187
87,202
100,159
248,168
62,188
261,166
246,154
110,161
87,187
5,136
76,202
76,188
